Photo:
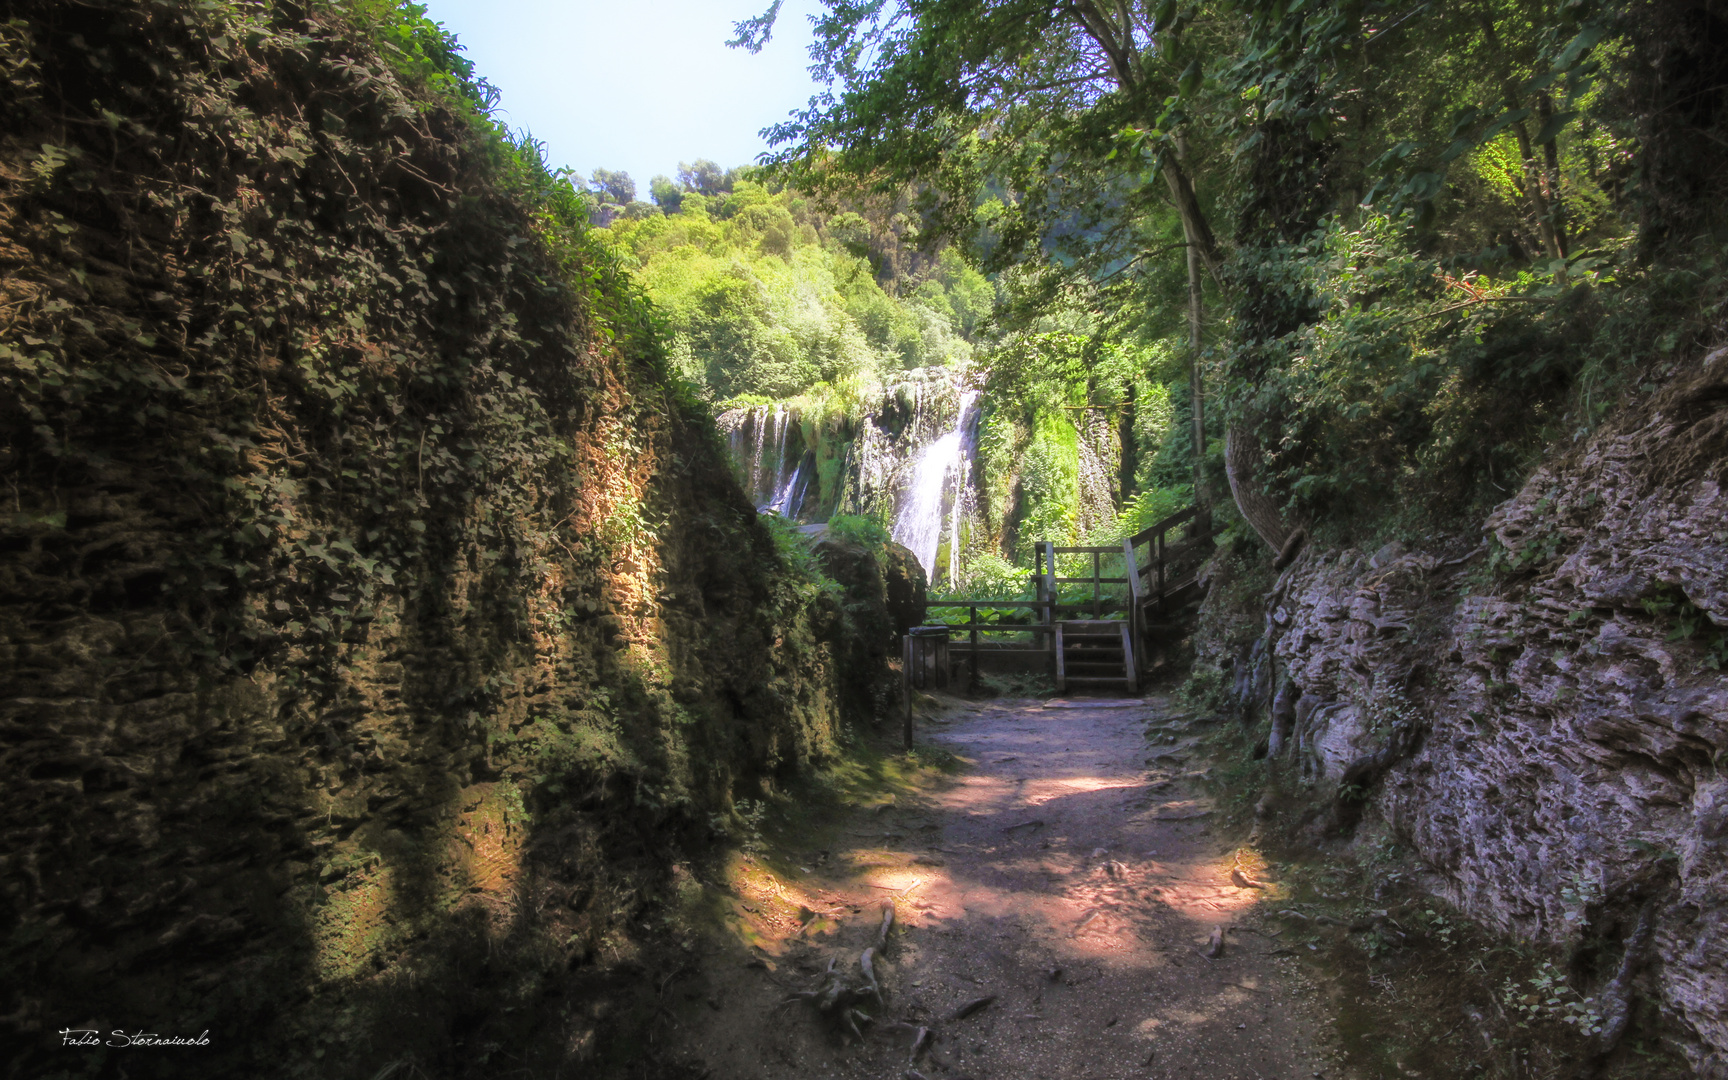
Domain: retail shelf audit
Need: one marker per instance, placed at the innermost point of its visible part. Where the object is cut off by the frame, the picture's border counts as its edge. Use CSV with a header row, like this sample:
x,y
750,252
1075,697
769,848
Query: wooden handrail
x,y
1146,583
1178,518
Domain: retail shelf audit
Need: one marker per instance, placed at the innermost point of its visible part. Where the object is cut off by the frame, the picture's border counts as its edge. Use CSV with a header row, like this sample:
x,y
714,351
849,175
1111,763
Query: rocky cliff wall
x,y
380,629
1540,710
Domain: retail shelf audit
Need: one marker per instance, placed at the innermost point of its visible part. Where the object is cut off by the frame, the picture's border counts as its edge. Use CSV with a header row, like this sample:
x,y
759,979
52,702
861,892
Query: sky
x,y
638,85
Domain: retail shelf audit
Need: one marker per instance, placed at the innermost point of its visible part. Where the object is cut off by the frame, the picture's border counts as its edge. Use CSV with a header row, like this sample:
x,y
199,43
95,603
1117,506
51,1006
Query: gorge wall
x,y
380,629
1538,710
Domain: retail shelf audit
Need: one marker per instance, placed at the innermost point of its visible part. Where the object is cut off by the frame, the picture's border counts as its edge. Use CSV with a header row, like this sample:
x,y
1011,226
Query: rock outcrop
x,y
381,628
1541,711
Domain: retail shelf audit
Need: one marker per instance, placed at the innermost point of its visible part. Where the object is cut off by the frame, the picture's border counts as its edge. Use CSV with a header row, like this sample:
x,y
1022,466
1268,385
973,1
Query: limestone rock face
x,y
380,630
885,594
906,586
1539,712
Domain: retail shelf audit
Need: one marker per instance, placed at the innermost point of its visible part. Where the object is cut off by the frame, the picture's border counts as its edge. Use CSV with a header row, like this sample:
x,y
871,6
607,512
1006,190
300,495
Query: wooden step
x,y
1091,682
1094,653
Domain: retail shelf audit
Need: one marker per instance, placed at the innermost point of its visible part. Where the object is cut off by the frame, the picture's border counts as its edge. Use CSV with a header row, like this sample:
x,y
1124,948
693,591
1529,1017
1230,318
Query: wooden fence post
x,y
972,676
906,686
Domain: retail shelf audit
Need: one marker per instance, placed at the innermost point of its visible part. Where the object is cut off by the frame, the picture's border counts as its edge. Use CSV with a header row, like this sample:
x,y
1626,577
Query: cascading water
x,y
790,495
769,456
924,507
912,441
763,423
1100,449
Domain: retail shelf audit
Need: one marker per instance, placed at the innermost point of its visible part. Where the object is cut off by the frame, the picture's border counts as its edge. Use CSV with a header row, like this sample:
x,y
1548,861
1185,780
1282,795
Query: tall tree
x,y
616,186
1077,107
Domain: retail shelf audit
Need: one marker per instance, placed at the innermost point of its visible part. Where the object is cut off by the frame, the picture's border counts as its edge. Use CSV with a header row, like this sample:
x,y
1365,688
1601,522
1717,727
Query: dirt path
x,y
1068,874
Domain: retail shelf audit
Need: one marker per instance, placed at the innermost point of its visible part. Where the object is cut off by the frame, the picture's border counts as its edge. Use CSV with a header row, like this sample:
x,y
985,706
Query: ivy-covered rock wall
x,y
378,621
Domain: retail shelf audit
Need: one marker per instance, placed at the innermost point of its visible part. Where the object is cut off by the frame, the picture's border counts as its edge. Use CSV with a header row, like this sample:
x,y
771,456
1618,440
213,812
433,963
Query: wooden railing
x,y
975,629
1154,566
1166,569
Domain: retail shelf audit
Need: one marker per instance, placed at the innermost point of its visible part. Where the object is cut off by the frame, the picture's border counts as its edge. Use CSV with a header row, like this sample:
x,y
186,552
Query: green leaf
x,y
1190,80
1504,121
1551,129
1586,38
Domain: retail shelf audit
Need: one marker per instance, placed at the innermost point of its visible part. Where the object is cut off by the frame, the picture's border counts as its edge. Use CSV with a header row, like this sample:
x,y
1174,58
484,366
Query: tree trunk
x,y
1195,299
1241,461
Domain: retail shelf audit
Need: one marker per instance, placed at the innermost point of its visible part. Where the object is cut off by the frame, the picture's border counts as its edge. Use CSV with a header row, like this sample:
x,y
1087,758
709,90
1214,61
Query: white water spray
x,y
786,500
918,524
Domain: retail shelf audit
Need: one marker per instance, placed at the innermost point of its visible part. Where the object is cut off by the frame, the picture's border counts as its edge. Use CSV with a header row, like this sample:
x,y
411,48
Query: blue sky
x,y
638,86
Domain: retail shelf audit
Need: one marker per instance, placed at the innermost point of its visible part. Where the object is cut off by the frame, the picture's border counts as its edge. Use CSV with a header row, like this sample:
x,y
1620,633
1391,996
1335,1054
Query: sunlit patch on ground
x,y
1052,879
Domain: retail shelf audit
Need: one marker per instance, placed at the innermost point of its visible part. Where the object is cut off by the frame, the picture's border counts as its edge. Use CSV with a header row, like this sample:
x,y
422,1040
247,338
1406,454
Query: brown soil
x,y
1066,871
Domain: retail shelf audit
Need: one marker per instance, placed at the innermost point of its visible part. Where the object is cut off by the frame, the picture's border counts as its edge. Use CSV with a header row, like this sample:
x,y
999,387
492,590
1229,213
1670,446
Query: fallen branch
x,y
920,1043
866,964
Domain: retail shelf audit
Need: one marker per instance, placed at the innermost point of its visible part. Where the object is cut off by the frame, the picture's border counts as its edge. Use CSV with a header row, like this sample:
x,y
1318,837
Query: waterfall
x,y
919,519
786,501
924,420
1100,451
763,423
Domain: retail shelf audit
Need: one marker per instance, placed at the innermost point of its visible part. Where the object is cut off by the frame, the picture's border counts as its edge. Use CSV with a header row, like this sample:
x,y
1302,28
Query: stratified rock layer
x,y
1543,717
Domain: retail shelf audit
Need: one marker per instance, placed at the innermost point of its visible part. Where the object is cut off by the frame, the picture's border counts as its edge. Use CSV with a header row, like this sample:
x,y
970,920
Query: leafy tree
x,y
767,296
1474,158
617,187
705,178
666,194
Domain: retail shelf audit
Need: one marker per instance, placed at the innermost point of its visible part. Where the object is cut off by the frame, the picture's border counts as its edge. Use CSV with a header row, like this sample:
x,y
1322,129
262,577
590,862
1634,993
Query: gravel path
x,y
1068,874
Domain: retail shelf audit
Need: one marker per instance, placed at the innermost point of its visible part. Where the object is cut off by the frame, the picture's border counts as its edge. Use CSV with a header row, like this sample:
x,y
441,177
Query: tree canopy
x,y
1388,225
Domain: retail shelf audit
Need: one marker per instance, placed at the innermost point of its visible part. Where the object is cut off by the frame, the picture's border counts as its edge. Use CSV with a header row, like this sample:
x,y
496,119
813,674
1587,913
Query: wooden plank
x,y
1004,628
1128,667
906,685
986,603
1088,581
1086,550
1135,614
1061,672
972,676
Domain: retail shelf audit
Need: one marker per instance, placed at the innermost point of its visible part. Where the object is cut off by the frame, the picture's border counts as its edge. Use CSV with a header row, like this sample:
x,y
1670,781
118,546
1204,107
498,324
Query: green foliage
x,y
767,295
802,580
1050,479
860,530
1547,995
988,576
1690,623
1378,400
